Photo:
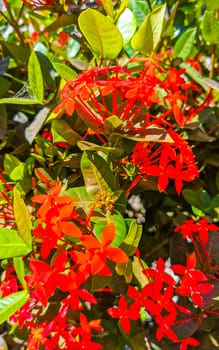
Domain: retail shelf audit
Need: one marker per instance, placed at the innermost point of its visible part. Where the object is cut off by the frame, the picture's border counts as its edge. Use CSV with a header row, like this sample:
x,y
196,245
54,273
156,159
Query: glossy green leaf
x,y
11,245
118,220
98,177
35,77
127,25
149,34
22,218
210,28
131,241
184,44
13,167
18,263
199,199
62,132
101,34
11,303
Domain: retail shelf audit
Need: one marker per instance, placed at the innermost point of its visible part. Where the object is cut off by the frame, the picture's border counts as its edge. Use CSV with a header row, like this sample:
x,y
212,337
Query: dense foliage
x,y
109,204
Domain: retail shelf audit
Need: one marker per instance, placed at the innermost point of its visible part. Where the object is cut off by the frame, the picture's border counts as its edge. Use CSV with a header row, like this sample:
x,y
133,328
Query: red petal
x,y
108,234
191,261
125,325
116,255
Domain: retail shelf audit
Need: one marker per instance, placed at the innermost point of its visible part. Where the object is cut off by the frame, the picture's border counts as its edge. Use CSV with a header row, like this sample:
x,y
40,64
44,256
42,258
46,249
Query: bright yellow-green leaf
x,y
148,36
35,77
18,263
10,304
210,28
22,217
138,271
127,25
108,7
11,244
104,38
62,132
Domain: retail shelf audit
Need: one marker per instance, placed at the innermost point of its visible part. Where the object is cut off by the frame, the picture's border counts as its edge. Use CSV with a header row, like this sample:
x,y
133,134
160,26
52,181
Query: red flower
x,y
188,341
97,252
124,313
196,230
164,327
159,273
191,283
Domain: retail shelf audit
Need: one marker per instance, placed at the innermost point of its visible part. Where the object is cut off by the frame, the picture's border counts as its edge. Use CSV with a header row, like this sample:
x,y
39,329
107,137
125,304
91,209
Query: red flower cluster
x,y
170,160
154,102
156,298
77,255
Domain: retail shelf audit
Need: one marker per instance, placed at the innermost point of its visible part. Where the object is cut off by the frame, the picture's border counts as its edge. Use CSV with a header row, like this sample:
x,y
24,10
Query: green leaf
x,y
3,122
184,44
11,245
125,269
195,75
19,54
148,35
62,132
35,77
5,85
138,266
118,220
127,25
211,4
200,199
20,101
82,199
13,167
210,28
63,21
22,217
131,241
140,9
64,71
97,174
102,35
32,130
89,146
10,304
18,263
151,134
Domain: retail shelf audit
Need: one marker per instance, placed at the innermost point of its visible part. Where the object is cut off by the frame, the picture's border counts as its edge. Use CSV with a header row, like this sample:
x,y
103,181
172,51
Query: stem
x,y
14,23
147,342
149,5
165,241
20,12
